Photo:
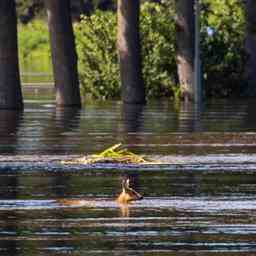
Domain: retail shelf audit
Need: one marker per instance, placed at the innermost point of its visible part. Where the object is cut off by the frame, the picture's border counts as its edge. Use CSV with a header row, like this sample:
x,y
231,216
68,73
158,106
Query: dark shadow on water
x,y
250,120
62,122
59,130
9,186
133,121
132,117
67,119
10,122
190,117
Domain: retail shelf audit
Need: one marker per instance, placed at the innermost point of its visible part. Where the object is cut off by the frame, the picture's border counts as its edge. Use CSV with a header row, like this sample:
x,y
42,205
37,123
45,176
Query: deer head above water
x,y
128,194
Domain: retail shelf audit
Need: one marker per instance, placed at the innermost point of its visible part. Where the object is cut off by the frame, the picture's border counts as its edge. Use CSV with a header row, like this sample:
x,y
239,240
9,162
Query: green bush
x,y
222,52
98,60
34,52
33,39
222,47
96,47
158,50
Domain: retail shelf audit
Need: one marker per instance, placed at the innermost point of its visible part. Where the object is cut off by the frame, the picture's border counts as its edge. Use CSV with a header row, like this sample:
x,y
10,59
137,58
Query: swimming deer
x,y
128,194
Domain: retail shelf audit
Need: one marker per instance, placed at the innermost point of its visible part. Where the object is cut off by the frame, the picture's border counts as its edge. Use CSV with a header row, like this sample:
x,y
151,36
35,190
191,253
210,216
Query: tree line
x,y
64,56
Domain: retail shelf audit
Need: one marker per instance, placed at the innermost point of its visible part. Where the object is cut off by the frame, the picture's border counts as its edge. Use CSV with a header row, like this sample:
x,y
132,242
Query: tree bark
x,y
185,41
10,89
128,42
250,46
64,57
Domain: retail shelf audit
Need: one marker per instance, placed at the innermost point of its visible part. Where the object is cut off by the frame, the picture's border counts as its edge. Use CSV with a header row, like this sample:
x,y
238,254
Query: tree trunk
x,y
128,41
63,51
10,89
250,46
185,40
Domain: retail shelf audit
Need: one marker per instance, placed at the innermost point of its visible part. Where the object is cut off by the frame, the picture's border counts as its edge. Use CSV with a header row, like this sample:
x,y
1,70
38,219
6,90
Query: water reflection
x,y
11,248
190,117
133,121
10,121
133,118
124,210
161,128
62,125
249,116
9,189
67,119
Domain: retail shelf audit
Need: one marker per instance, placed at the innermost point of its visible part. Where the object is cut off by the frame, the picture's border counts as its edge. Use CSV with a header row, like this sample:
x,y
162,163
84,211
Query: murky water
x,y
202,201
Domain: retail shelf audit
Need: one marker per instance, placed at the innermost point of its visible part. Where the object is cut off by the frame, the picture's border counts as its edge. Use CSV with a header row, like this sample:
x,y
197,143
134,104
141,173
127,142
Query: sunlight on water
x,y
194,204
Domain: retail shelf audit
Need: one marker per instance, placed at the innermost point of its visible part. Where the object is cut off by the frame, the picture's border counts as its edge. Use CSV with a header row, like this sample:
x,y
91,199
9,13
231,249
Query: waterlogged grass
x,y
114,154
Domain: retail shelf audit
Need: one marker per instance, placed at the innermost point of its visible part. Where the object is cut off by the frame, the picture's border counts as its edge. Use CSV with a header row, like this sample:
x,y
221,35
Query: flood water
x,y
200,201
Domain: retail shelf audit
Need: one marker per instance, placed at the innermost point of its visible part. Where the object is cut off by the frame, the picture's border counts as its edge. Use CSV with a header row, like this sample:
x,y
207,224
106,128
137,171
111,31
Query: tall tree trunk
x,y
10,89
128,41
64,57
185,40
250,46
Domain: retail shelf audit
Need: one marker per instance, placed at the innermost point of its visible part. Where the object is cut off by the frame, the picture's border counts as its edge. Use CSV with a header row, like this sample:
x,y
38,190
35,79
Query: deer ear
x,y
128,183
124,183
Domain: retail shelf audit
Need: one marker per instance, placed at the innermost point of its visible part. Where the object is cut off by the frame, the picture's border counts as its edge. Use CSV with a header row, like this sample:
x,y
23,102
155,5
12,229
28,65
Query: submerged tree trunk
x,y
128,41
10,89
250,46
63,50
185,40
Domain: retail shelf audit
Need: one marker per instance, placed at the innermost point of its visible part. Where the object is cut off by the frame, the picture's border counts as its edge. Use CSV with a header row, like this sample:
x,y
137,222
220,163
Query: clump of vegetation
x,y
98,59
97,56
34,51
111,155
28,9
222,46
157,28
33,40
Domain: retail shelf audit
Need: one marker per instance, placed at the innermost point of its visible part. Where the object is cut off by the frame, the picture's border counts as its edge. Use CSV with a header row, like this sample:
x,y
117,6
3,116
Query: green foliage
x,y
98,60
34,52
158,50
28,9
222,52
96,47
33,39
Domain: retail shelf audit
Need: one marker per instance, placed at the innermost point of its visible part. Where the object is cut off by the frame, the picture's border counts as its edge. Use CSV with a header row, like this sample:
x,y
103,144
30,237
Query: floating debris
x,y
111,155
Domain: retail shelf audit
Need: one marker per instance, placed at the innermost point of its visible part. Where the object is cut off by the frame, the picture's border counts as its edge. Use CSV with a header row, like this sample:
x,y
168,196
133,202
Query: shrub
x,y
158,50
33,37
34,52
96,47
222,46
98,60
